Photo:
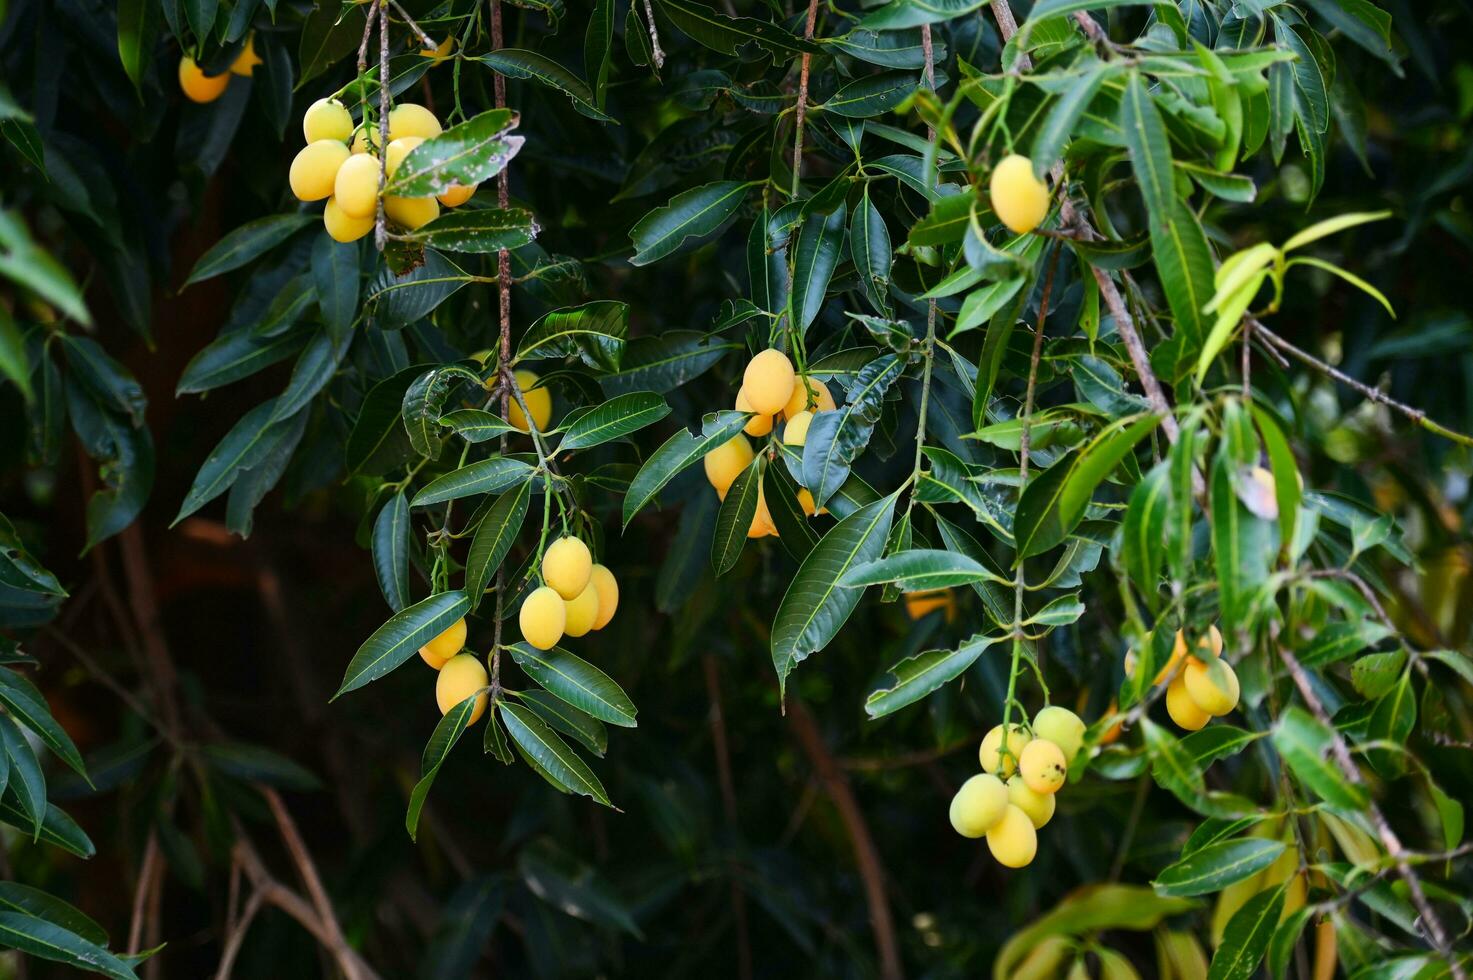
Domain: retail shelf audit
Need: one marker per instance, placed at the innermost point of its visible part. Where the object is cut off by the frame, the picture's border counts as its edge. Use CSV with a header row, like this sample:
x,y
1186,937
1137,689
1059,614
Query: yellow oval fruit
x,y
1062,727
795,433
398,150
1042,766
539,403
411,212
1019,199
582,611
409,119
566,566
314,169
444,646
245,63
1012,840
1212,686
990,752
355,187
726,462
821,400
1182,709
768,381
757,425
608,595
978,805
1212,641
1038,806
542,618
920,604
365,135
327,119
461,677
805,500
196,85
457,195
762,525
341,227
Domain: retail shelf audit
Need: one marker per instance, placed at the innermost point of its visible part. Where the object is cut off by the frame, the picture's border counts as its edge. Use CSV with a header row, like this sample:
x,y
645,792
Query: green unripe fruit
x,y
1062,727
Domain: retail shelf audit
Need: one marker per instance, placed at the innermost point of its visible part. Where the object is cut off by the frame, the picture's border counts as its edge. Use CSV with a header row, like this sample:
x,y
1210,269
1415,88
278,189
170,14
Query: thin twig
x,y
303,860
380,222
146,871
800,112
237,934
409,21
656,54
503,294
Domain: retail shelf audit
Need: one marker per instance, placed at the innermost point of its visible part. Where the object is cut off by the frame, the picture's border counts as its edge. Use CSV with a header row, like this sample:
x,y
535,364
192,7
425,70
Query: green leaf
x,y
138,28
378,441
1340,641
563,717
247,443
424,401
888,49
923,673
476,425
1229,315
614,419
335,274
1304,743
820,243
1217,741
401,637
1247,935
1285,938
57,828
872,95
731,34
835,439
26,705
735,517
577,682
1241,543
915,13
329,35
391,551
1287,487
517,63
482,231
249,241
595,332
21,571
598,43
447,732
869,246
1058,125
549,755
25,783
465,154
1171,766
815,607
400,299
1091,909
1144,529
1349,277
678,452
1184,264
484,476
780,491
48,941
16,897
256,764
665,362
1150,149
696,213
1218,865
494,538
920,570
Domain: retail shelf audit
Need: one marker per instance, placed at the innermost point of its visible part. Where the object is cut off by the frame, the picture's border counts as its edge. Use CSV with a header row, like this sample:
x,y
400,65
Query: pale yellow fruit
x,y
726,462
444,646
567,566
920,604
821,400
461,677
314,169
457,194
412,120
539,403
608,595
582,611
327,119
411,212
1213,686
1019,199
1039,806
978,805
1062,727
245,63
542,618
398,150
768,381
757,425
1042,766
363,137
356,186
990,752
795,433
1012,840
341,227
196,85
1182,709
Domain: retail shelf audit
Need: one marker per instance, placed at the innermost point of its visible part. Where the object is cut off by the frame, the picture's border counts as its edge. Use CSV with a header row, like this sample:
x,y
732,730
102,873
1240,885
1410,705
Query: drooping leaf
x,y
679,451
595,332
1218,865
923,673
484,476
696,213
249,241
549,755
577,682
494,538
519,63
391,551
465,154
736,517
402,636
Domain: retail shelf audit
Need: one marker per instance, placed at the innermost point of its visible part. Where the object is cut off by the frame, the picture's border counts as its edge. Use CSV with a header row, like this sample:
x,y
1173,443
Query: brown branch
x,y
237,934
380,222
303,860
146,870
656,55
410,22
503,293
146,611
865,852
802,108
728,802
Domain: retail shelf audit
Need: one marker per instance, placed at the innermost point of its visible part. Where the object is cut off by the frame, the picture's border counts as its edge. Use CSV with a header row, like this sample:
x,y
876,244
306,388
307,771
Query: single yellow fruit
x,y
1208,647
461,677
245,63
1182,709
444,646
327,119
315,168
1112,734
398,150
1042,766
457,195
539,403
356,186
1019,199
757,425
978,805
608,595
821,400
411,212
1012,840
990,753
341,227
412,120
566,566
805,500
363,137
1326,950
196,85
542,618
1038,806
1062,727
795,433
920,604
768,381
582,611
762,525
1212,686
726,462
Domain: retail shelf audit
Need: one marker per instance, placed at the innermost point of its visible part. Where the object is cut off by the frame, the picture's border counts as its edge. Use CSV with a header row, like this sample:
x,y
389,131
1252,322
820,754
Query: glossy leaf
x,y
401,637
577,682
465,154
494,537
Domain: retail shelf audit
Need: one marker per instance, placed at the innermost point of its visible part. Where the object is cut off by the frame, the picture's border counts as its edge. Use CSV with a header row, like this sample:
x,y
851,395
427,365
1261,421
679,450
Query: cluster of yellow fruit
x,y
1200,686
1019,199
341,164
1013,796
199,87
772,389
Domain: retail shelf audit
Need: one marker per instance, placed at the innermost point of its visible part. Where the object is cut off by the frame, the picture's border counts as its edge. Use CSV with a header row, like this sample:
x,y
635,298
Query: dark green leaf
x,y
577,682
391,551
696,213
549,755
494,538
485,476
517,63
465,154
401,637
919,675
485,230
249,241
